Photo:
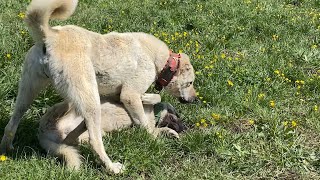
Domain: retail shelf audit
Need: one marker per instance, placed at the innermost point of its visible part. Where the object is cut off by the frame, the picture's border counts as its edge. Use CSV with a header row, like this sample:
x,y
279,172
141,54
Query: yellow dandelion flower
x,y
314,46
261,96
251,122
315,108
230,83
3,158
22,15
272,104
197,124
164,34
197,72
200,97
185,34
275,37
293,123
268,79
285,123
202,121
180,51
277,72
205,125
223,56
8,56
204,102
215,116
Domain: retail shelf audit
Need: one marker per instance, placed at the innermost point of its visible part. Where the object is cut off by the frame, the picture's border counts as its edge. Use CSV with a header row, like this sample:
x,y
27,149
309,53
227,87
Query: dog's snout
x,y
183,100
189,100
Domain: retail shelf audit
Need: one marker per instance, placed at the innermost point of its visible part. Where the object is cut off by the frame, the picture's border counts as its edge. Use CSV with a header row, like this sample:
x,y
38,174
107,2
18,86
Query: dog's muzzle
x,y
185,101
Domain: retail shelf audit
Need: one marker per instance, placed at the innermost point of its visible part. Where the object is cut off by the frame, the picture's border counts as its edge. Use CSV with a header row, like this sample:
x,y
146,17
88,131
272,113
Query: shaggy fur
x,y
84,65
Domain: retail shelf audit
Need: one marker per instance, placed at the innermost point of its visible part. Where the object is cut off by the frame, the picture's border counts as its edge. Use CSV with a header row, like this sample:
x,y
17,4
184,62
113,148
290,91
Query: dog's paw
x,y
116,168
150,98
167,131
174,133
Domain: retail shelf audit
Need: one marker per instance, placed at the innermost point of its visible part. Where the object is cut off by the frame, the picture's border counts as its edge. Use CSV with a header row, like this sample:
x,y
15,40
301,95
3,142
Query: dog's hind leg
x,y
32,82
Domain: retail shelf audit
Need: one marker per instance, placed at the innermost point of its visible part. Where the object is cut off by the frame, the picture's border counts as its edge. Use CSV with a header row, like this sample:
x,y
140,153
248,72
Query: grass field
x,y
258,78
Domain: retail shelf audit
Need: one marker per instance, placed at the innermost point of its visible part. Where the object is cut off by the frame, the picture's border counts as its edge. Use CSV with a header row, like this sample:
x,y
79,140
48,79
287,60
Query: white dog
x,y
62,118
84,65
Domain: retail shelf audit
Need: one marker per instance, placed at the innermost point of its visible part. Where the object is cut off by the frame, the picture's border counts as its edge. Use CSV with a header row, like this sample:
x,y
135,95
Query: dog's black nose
x,y
190,100
183,101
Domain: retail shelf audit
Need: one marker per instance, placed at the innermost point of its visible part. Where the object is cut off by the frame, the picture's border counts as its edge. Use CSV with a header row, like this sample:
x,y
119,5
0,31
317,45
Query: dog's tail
x,y
41,11
69,154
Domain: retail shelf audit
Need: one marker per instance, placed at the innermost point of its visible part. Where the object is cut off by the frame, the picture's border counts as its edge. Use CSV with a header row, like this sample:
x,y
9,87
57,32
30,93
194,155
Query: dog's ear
x,y
182,127
185,64
184,67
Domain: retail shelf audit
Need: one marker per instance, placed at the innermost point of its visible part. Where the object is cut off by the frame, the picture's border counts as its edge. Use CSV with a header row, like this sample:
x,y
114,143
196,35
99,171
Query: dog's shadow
x,y
26,143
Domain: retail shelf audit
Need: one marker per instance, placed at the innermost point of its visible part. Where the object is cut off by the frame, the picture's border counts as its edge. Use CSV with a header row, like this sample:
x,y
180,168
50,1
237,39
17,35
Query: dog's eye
x,y
189,84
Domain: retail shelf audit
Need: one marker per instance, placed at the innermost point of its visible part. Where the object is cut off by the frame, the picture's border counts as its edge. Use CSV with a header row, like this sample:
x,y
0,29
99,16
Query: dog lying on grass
x,y
83,66
61,118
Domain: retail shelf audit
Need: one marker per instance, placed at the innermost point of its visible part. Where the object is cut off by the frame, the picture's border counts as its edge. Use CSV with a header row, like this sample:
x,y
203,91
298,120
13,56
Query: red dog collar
x,y
168,71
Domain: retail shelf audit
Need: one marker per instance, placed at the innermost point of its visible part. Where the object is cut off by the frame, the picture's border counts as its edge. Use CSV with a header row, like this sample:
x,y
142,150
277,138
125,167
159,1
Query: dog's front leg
x,y
167,131
133,103
30,85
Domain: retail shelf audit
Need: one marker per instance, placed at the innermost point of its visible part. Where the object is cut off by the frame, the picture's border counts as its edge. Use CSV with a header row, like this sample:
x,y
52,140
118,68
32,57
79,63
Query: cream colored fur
x,y
83,65
61,118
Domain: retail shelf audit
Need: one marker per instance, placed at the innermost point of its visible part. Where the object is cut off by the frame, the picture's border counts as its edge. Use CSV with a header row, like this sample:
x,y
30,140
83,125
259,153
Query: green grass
x,y
269,50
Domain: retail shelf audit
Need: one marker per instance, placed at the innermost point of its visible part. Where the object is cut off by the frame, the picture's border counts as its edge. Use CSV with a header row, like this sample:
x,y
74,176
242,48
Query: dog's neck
x,y
168,71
